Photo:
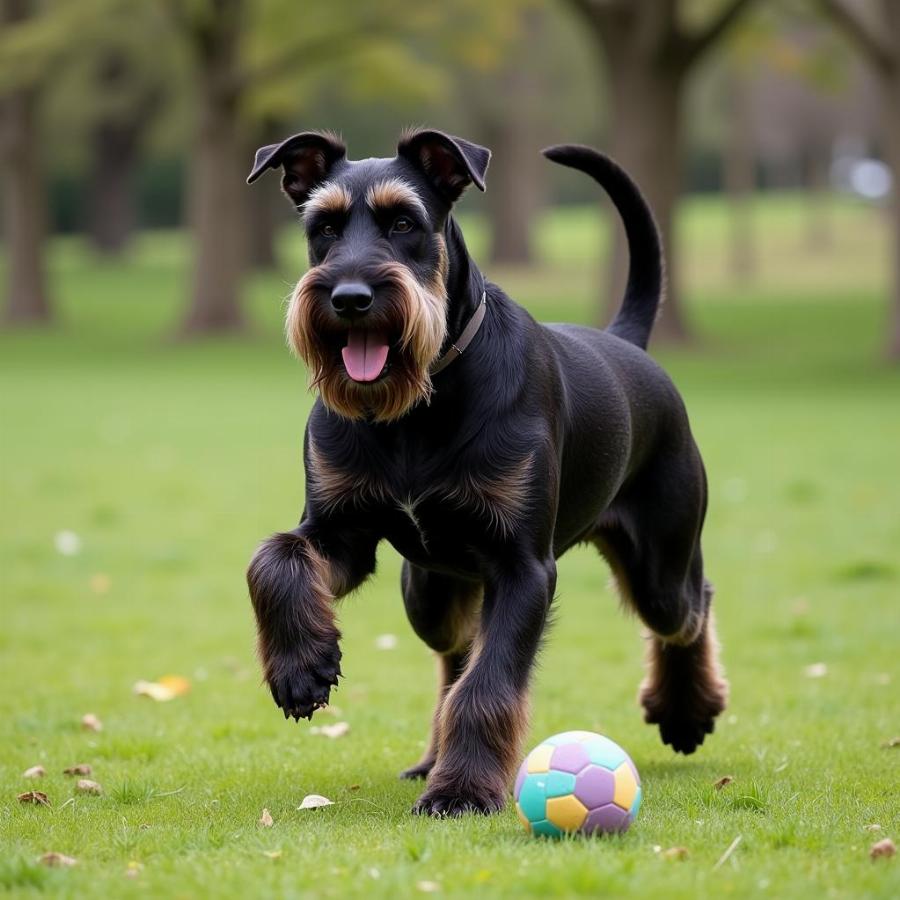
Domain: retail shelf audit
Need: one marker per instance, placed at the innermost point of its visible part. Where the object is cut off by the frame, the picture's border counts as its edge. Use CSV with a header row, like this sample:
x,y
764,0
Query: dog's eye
x,y
402,225
327,230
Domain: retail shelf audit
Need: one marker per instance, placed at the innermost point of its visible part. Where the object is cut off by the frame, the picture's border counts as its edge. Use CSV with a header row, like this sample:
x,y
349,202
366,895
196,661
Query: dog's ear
x,y
451,163
307,159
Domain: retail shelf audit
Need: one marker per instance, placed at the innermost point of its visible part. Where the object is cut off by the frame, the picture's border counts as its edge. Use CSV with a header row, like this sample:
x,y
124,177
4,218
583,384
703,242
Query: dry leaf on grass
x,y
266,819
338,729
80,769
34,772
86,786
314,801
57,860
38,798
166,688
816,670
873,827
428,887
891,743
675,853
90,722
133,869
724,781
100,583
272,854
883,848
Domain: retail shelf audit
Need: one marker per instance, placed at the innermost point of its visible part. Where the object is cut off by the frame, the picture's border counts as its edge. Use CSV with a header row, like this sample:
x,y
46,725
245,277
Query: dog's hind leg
x,y
651,538
443,611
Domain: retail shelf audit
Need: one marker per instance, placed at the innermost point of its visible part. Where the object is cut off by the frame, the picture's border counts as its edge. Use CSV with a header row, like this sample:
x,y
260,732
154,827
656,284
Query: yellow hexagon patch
x,y
539,758
626,786
523,819
566,813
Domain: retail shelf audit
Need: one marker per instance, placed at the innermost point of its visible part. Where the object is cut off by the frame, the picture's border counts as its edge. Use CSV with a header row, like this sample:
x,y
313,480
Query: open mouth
x,y
365,354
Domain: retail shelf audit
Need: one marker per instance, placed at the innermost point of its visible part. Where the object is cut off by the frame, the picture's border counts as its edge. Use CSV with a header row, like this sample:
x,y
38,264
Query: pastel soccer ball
x,y
577,781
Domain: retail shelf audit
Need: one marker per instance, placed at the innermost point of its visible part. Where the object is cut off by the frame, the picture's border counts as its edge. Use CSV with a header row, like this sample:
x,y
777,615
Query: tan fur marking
x,y
332,488
328,198
394,192
502,498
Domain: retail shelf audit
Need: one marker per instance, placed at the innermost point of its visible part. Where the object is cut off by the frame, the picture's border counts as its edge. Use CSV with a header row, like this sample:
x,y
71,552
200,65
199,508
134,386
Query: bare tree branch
x,y
861,35
696,45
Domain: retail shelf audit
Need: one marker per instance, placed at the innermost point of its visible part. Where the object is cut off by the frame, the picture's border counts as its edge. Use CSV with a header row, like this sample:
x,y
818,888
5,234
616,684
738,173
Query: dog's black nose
x,y
352,298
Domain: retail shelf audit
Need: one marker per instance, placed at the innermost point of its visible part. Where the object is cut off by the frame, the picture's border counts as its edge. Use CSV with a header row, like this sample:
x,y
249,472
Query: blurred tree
x,y
874,29
649,53
24,197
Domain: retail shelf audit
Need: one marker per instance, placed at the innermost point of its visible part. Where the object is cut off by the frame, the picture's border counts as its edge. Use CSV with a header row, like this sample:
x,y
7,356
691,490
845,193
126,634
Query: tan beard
x,y
418,312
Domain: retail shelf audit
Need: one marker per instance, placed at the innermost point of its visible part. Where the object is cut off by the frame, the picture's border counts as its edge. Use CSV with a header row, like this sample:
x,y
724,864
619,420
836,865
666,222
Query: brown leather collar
x,y
468,333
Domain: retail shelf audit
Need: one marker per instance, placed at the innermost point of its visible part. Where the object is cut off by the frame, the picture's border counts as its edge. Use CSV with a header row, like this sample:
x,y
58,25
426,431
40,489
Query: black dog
x,y
482,445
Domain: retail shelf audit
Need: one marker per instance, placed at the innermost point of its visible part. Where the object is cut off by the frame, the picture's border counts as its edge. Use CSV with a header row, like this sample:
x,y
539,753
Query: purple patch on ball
x,y
523,771
606,818
595,786
569,758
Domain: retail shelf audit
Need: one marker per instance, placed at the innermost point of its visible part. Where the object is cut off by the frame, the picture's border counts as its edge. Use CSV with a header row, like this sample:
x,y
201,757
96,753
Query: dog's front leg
x,y
293,579
484,716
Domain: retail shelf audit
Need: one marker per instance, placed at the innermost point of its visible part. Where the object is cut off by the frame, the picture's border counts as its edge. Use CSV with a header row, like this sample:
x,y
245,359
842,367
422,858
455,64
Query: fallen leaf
x,y
873,827
675,853
314,801
816,670
80,769
57,860
885,848
34,772
100,583
272,854
177,684
154,690
67,543
724,781
86,786
353,787
338,729
266,819
386,642
133,869
428,887
891,743
91,723
38,798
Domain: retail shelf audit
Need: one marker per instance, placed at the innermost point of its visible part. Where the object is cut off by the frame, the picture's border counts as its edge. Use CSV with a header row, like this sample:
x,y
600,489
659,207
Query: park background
x,y
151,420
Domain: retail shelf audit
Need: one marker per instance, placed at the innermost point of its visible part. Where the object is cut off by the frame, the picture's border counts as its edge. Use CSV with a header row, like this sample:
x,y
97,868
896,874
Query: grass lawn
x,y
170,461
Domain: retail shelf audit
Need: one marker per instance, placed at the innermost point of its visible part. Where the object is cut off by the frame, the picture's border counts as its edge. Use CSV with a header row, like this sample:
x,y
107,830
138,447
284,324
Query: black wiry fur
x,y
537,438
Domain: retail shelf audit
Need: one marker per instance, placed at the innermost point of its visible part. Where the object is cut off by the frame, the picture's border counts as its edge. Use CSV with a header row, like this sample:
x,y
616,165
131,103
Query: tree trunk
x,y
819,233
216,189
646,140
24,214
115,150
516,188
740,176
890,88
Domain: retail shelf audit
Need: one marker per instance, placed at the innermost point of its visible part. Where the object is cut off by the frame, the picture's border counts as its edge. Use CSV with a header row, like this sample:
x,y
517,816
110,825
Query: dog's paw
x,y
299,688
419,770
684,721
446,803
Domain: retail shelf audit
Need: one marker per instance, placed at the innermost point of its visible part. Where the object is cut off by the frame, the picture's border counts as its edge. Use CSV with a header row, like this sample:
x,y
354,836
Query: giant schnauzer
x,y
482,445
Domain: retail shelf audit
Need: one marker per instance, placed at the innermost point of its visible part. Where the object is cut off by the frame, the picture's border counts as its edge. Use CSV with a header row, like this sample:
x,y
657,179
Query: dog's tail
x,y
646,269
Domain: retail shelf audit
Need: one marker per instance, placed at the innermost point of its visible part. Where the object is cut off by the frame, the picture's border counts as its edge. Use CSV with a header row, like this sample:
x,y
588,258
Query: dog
x,y
482,445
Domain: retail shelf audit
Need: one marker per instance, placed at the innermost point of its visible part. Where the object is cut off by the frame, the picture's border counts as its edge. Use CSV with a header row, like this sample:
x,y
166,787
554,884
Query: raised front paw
x,y
449,802
301,687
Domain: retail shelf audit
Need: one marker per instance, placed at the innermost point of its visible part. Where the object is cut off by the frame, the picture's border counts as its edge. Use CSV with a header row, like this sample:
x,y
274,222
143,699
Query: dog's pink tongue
x,y
365,354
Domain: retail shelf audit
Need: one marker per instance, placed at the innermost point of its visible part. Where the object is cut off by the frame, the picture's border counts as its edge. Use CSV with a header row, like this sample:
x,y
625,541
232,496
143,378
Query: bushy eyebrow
x,y
328,198
394,192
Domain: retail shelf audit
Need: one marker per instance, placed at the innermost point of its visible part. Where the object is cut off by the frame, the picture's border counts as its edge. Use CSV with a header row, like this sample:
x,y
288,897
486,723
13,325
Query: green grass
x,y
170,461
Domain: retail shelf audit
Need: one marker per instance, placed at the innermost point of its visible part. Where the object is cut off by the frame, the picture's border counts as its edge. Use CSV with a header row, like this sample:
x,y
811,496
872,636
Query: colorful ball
x,y
577,781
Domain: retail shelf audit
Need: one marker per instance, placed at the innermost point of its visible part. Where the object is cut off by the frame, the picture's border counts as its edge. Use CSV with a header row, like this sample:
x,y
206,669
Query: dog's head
x,y
369,317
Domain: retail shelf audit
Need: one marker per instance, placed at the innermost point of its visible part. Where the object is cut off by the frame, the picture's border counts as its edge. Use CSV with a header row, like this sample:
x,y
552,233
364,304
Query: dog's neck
x,y
465,283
